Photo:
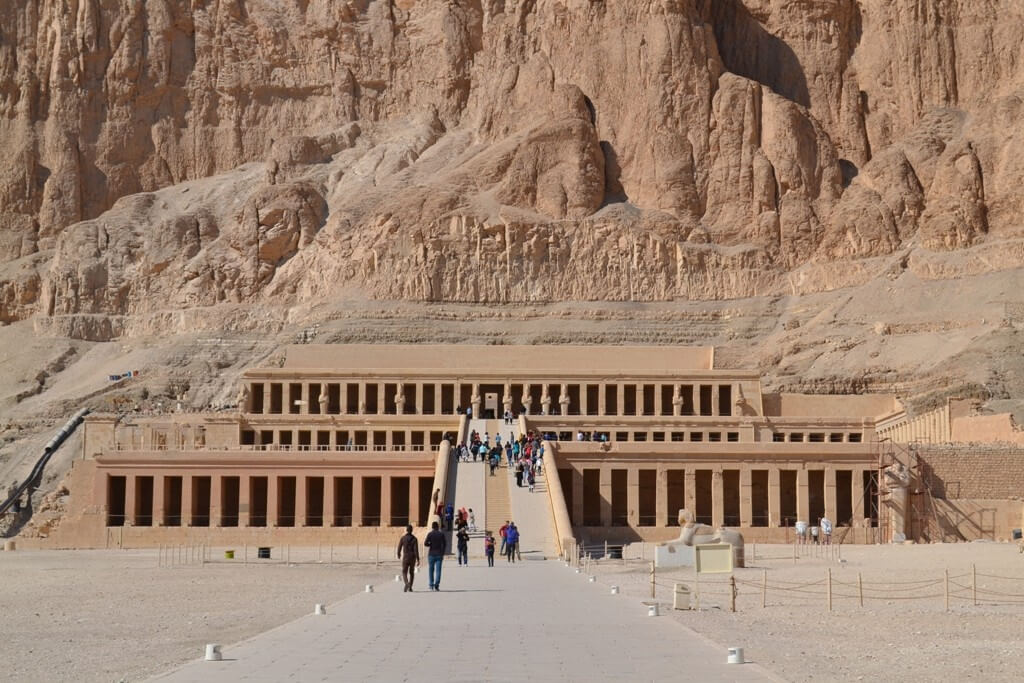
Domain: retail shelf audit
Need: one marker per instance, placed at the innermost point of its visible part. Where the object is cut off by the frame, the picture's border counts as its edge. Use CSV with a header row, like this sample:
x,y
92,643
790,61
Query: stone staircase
x,y
499,503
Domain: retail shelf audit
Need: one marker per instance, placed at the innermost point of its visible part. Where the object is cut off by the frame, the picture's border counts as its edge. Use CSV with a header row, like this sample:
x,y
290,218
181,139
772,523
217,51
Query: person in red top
x,y
503,532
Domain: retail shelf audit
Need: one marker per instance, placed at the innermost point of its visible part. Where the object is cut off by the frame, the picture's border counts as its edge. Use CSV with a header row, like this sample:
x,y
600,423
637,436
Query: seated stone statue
x,y
693,534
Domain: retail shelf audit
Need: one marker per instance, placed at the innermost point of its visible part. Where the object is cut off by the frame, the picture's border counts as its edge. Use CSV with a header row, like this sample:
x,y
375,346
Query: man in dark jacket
x,y
436,546
409,554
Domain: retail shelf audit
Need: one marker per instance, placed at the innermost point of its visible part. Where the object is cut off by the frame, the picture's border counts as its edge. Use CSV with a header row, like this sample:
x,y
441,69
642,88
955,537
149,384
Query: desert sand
x,y
116,615
903,632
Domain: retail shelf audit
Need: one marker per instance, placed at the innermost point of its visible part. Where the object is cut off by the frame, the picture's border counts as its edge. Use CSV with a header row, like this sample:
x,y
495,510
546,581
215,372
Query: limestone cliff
x,y
171,154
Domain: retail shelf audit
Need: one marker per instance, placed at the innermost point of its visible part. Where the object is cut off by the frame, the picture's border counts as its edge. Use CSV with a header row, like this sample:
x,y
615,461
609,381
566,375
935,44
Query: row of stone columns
x,y
160,512
338,439
663,515
545,408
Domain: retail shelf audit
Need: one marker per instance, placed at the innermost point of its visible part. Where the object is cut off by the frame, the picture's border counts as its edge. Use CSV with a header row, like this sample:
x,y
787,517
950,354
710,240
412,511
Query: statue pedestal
x,y
674,555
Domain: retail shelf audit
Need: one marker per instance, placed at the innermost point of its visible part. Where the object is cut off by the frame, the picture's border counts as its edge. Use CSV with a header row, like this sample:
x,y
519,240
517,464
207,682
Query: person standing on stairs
x,y
409,554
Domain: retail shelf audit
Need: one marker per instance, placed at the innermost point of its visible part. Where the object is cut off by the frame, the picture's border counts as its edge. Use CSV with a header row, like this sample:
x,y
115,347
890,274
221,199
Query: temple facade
x,y
343,442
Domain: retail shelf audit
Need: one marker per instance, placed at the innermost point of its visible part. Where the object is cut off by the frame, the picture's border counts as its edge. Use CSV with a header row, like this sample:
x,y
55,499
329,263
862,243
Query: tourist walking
x,y
409,554
503,532
462,540
512,540
472,520
489,548
436,547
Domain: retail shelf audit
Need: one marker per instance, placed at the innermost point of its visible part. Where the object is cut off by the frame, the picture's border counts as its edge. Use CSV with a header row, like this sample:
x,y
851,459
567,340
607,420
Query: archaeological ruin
x,y
342,443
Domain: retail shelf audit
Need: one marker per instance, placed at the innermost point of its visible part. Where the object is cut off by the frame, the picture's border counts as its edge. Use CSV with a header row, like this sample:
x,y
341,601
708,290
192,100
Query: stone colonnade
x,y
268,500
435,398
629,494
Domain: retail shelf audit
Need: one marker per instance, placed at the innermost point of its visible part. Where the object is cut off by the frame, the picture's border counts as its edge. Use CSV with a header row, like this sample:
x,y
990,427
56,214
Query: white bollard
x,y
652,610
369,588
579,571
735,655
398,577
592,579
615,590
213,652
319,608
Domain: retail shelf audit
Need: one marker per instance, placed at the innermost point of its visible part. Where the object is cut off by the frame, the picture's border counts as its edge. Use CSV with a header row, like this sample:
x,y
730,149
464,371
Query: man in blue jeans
x,y
436,544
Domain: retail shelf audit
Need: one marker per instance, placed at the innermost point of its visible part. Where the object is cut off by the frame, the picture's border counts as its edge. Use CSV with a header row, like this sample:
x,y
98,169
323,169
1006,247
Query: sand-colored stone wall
x,y
987,471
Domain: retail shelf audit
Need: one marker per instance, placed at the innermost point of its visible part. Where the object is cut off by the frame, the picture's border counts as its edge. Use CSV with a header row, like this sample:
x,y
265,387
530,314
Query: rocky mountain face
x,y
177,155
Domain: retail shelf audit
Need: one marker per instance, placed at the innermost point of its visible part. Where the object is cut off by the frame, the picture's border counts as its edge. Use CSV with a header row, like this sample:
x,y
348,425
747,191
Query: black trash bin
x,y
263,552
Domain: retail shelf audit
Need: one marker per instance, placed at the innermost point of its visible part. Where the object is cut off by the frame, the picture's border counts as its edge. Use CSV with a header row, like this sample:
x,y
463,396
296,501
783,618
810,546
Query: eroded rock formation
x,y
176,154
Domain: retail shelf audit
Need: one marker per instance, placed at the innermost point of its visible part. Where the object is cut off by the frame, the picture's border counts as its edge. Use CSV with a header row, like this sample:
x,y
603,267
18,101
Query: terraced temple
x,y
341,443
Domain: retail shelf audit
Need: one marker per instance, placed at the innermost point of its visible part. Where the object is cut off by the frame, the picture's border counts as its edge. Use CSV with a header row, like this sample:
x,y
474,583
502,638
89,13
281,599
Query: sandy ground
x,y
117,616
903,631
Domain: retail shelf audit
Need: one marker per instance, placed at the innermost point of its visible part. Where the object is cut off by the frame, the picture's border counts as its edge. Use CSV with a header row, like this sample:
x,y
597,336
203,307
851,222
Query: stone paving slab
x,y
533,621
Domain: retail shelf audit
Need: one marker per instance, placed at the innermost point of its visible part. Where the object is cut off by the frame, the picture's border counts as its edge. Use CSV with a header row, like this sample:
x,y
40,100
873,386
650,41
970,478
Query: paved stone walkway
x,y
533,621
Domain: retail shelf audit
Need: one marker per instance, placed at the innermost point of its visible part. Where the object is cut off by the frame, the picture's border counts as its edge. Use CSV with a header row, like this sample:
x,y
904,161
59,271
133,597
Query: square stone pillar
x,y
774,498
330,500
606,496
301,498
602,399
830,495
438,397
266,398
714,399
130,496
159,501
639,399
304,408
186,500
657,399
746,497
357,501
414,501
381,407
717,498
857,485
661,497
273,500
633,497
620,398
244,500
577,497
342,398
690,491
216,500
583,399
803,501
385,500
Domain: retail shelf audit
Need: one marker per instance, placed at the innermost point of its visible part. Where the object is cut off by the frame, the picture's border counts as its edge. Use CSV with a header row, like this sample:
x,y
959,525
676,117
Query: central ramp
x,y
564,629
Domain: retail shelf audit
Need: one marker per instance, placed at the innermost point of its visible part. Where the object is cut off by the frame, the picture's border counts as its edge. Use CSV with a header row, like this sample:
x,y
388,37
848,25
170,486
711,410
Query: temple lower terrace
x,y
342,443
